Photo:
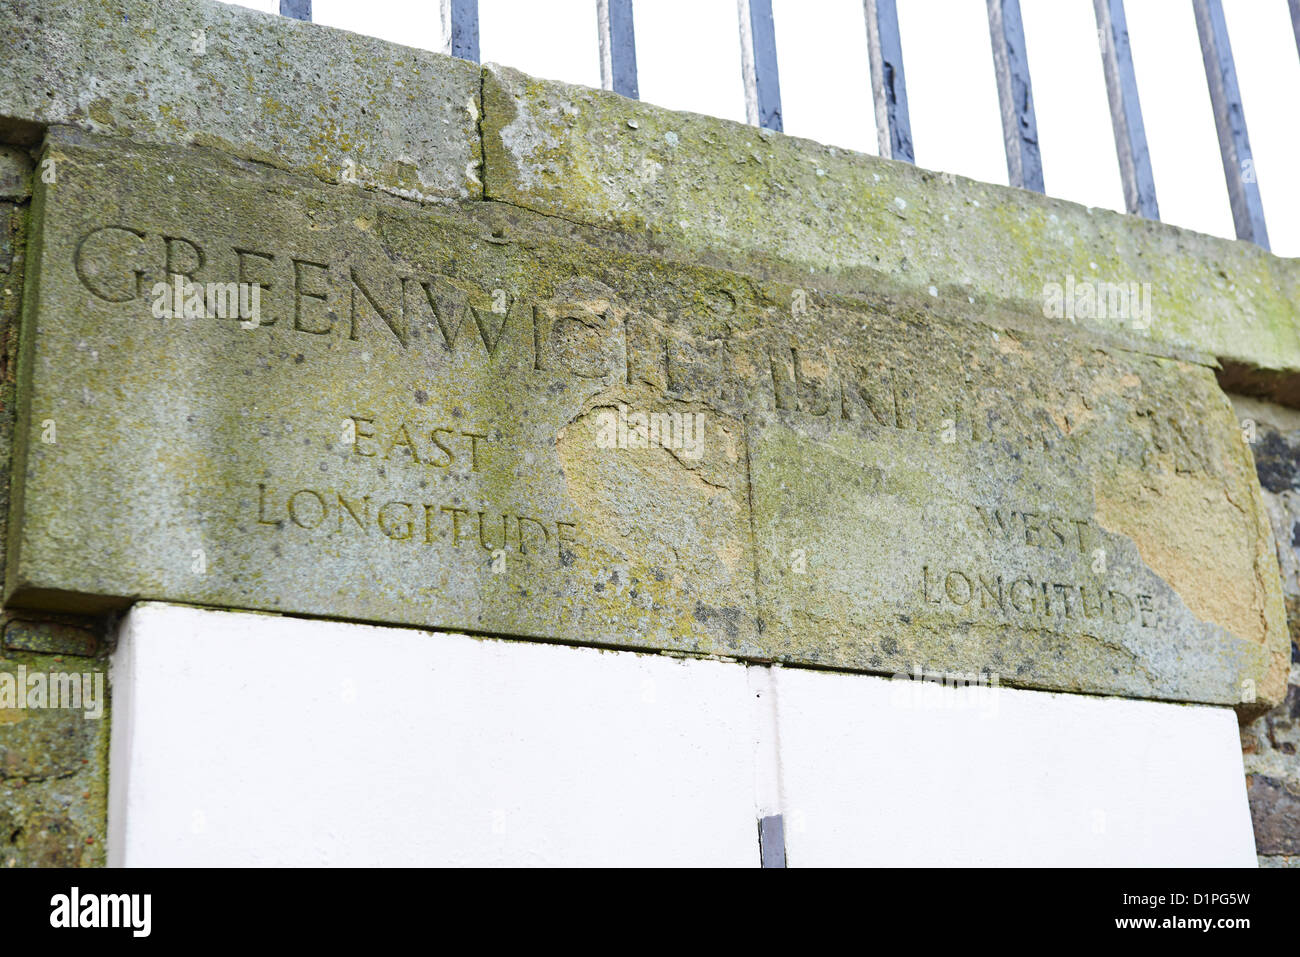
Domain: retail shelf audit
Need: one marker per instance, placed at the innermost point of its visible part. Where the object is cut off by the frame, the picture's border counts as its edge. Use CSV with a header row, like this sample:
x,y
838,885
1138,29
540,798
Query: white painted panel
x,y
256,739
242,739
902,773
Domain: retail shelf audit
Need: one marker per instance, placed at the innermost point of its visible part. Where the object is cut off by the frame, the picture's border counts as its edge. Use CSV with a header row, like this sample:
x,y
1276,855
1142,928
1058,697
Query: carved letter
x,y
299,294
89,271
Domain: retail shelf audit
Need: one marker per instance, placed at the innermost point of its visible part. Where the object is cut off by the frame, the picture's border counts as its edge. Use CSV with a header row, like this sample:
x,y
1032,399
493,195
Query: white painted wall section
x,y
244,739
909,773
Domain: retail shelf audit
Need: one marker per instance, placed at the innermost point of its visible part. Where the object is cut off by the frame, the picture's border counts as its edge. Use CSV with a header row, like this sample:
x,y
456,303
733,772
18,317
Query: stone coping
x,y
350,108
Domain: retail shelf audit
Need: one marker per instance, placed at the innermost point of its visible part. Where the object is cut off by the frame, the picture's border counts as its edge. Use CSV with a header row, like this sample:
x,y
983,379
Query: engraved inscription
x,y
440,447
1031,600
1040,531
595,336
335,511
419,428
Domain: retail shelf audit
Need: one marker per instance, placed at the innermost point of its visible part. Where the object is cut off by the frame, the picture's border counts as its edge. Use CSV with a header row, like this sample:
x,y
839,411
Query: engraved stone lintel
x,y
251,391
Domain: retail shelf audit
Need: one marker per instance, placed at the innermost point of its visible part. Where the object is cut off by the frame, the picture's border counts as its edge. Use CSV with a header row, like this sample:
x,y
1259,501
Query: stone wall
x,y
540,362
53,763
1270,742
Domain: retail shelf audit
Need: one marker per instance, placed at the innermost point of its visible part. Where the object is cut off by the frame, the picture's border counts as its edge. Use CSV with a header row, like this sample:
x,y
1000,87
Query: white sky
x,y
688,57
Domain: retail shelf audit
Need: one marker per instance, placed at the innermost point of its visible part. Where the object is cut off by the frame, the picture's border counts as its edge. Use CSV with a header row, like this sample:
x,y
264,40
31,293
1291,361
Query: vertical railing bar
x,y
1015,94
1125,109
888,88
460,29
617,47
758,64
296,9
771,841
1230,121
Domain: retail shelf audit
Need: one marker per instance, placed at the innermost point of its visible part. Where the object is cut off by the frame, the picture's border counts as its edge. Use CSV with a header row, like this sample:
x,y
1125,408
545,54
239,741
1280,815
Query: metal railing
x,y
762,86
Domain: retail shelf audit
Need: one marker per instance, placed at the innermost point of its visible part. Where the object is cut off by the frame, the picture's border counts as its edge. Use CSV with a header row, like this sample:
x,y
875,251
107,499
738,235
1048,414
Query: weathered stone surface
x,y
421,376
1276,813
1271,743
51,637
53,766
15,173
930,493
357,109
854,220
45,840
364,449
13,265
343,106
1280,860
